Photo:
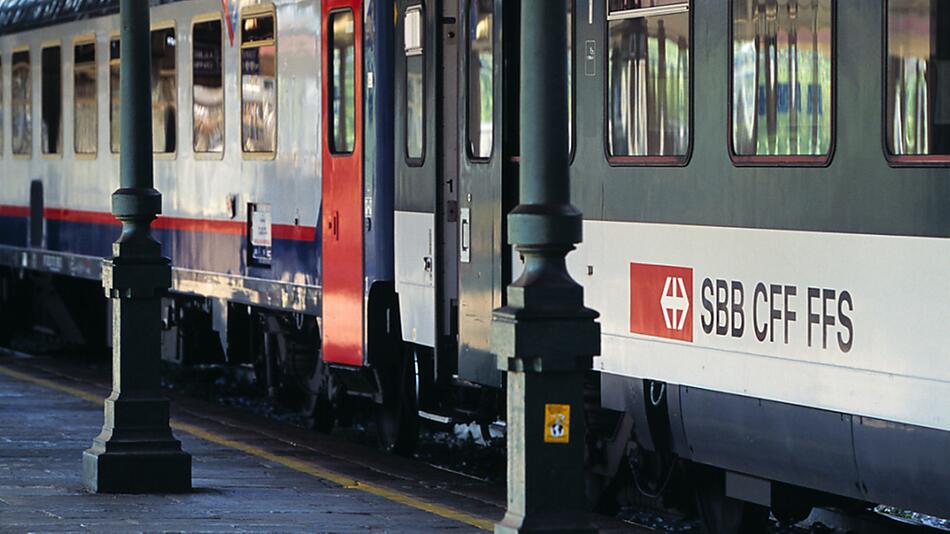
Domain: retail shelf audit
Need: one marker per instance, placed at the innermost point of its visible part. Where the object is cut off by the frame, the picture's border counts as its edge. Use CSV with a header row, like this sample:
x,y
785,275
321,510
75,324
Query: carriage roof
x,y
22,15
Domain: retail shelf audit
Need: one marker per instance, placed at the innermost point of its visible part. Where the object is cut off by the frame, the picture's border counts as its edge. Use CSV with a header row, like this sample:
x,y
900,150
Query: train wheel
x,y
289,358
397,416
318,408
722,514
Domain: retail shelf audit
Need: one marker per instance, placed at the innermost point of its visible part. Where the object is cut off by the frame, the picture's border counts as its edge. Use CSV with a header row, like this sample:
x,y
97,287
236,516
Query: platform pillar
x,y
545,338
136,451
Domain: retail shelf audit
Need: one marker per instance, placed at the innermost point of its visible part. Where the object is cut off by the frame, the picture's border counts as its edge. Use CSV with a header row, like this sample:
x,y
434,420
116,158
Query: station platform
x,y
250,474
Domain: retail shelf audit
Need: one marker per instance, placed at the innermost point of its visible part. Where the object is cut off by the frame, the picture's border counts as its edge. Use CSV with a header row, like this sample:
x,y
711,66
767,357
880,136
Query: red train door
x,y
342,182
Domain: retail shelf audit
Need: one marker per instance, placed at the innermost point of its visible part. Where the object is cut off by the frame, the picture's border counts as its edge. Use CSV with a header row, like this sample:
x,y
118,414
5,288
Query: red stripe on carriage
x,y
14,211
287,232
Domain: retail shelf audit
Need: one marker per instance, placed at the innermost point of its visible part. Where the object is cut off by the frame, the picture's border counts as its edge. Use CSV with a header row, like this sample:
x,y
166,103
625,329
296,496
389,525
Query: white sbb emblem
x,y
674,302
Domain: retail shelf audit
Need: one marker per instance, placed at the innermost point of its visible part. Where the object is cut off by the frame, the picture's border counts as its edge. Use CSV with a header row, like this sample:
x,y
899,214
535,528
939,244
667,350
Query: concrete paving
x,y
42,436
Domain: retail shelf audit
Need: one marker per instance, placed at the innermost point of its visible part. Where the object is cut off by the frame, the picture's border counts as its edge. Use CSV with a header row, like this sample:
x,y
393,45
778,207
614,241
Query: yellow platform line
x,y
291,463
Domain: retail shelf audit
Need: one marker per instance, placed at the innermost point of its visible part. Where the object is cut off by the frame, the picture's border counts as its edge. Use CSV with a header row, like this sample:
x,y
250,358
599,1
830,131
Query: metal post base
x,y
550,523
144,458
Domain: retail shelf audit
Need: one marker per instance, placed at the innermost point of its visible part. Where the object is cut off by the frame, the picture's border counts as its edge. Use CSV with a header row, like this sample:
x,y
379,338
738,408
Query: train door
x,y
426,166
487,179
447,188
342,182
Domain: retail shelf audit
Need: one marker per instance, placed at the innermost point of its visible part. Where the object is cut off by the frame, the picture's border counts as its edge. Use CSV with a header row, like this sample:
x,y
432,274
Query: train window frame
x,y
173,155
82,40
358,94
419,51
648,161
44,46
815,161
201,19
255,11
572,83
28,155
3,109
115,145
899,160
469,153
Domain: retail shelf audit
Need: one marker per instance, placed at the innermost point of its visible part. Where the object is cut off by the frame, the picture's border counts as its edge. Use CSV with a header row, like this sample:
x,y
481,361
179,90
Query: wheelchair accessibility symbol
x,y
557,423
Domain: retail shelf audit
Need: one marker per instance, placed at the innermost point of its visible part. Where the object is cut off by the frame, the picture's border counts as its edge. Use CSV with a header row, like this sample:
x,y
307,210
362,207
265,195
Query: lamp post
x,y
545,338
136,451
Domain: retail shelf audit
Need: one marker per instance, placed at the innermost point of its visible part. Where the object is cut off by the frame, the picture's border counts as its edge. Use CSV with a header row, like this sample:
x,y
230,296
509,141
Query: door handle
x,y
465,237
333,225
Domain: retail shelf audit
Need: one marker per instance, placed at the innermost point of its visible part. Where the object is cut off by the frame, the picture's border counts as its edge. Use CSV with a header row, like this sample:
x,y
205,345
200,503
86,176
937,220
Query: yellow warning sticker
x,y
557,423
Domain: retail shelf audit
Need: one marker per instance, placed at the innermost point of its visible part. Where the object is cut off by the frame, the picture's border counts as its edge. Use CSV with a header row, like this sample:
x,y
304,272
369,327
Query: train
x,y
766,202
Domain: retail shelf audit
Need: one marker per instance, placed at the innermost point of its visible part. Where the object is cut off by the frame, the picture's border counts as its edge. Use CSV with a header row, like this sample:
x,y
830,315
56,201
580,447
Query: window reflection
x,y
781,74
415,107
258,85
164,92
115,112
2,108
343,82
918,77
481,64
622,5
21,93
208,90
85,106
648,77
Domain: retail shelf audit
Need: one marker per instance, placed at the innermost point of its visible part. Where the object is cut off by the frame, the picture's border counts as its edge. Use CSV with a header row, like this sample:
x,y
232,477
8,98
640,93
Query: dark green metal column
x,y
136,451
545,338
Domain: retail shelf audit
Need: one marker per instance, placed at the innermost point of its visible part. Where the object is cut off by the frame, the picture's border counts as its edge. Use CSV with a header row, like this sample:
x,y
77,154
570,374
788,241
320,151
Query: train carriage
x,y
275,166
764,202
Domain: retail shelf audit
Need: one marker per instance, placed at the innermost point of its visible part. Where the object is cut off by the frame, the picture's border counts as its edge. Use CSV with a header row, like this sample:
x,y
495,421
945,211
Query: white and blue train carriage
x,y
272,138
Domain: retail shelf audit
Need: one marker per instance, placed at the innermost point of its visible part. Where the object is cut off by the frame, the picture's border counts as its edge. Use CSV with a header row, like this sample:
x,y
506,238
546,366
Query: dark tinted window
x,y
51,85
781,77
918,77
342,84
258,84
85,106
570,75
648,78
21,94
164,92
208,90
481,78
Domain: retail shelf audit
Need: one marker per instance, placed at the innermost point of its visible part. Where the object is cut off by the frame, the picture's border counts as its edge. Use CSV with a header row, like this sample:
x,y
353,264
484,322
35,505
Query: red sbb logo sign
x,y
661,298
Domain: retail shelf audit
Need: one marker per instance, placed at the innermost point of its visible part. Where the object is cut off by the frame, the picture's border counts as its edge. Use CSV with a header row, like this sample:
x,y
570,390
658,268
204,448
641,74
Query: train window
x,y
781,80
115,113
21,96
85,106
51,85
164,91
648,73
570,76
258,84
208,90
342,82
481,79
1,106
918,80
415,79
